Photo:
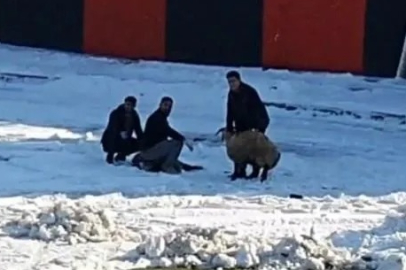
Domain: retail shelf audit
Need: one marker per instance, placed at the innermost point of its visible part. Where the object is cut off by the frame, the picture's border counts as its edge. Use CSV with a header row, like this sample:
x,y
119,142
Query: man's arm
x,y
112,125
257,107
229,115
172,133
254,99
175,135
137,127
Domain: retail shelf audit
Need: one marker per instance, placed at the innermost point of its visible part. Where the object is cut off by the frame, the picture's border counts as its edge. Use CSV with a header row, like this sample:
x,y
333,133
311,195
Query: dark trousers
x,y
163,157
123,148
127,147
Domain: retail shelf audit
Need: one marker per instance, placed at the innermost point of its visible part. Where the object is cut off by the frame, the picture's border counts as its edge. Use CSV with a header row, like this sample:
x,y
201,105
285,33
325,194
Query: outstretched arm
x,y
172,133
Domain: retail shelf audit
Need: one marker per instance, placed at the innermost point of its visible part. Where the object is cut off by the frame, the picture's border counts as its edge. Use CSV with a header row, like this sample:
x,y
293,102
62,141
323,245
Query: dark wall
x,y
357,36
385,31
222,32
52,24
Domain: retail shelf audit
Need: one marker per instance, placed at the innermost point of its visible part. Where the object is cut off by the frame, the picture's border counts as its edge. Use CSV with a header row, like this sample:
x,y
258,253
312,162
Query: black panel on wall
x,y
385,29
226,32
52,24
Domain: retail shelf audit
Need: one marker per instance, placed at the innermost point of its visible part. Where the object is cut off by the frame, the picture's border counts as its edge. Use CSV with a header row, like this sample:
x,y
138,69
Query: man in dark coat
x,y
117,137
245,111
158,153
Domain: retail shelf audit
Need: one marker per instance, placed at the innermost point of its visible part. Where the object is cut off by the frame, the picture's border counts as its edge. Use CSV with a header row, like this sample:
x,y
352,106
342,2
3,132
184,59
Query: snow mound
x,y
215,248
74,223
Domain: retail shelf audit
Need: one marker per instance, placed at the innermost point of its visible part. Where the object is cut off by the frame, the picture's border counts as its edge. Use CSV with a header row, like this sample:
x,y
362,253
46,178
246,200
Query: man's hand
x,y
189,145
227,135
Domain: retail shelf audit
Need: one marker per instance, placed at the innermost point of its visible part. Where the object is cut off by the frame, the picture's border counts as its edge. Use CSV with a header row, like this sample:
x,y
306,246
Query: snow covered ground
x,y
343,148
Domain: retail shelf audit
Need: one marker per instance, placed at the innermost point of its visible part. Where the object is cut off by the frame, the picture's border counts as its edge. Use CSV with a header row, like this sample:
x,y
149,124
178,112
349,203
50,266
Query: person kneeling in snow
x,y
158,153
117,137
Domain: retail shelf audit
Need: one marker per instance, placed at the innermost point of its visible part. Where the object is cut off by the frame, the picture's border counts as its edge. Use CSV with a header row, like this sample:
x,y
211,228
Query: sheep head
x,y
225,135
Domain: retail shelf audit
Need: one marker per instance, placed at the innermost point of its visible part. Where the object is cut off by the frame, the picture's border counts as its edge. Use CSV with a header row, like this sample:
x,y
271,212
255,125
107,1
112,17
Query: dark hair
x,y
166,98
130,99
233,74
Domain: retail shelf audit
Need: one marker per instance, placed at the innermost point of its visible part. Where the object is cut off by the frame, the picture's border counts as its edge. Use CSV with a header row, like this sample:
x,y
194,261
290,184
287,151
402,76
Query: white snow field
x,y
62,207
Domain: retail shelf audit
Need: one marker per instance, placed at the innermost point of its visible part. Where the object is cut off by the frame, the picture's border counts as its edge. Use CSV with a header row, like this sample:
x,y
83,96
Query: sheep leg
x,y
264,173
255,171
239,171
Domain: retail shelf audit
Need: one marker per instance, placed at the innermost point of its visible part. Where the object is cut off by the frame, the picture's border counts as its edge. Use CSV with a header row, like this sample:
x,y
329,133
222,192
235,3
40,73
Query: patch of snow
x,y
10,132
72,223
169,231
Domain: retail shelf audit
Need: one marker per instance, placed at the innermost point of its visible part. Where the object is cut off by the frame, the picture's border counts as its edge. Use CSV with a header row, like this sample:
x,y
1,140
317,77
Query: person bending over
x,y
117,138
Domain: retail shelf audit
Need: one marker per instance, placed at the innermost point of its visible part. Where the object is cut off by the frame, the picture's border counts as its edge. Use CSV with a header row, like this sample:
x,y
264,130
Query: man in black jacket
x,y
117,137
245,111
159,153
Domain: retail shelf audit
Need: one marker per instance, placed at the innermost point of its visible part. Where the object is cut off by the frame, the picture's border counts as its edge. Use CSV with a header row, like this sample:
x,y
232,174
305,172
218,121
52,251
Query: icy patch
x,y
17,132
73,223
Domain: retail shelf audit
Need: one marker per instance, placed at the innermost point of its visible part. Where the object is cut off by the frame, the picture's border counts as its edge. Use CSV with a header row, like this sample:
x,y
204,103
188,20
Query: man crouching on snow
x,y
117,137
158,153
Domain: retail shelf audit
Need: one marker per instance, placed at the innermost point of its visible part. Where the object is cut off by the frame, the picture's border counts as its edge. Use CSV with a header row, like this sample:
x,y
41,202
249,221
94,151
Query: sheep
x,y
250,147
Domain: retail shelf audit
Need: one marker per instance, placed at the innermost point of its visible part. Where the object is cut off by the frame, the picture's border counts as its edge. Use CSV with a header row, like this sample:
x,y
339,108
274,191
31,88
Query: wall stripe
x,y
314,35
225,32
126,28
358,36
55,24
384,36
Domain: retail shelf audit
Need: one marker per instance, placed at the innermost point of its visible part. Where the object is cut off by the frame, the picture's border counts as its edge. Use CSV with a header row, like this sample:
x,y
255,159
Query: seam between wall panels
x,y
401,72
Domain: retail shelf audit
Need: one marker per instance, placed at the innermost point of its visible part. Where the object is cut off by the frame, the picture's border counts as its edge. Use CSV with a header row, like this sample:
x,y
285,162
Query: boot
x,y
239,172
137,162
120,157
109,158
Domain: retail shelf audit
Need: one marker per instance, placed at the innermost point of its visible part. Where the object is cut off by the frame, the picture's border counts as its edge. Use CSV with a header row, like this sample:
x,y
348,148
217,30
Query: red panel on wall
x,y
125,28
314,34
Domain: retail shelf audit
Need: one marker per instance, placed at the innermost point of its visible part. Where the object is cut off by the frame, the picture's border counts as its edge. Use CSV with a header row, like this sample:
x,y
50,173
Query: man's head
x,y
234,80
130,103
166,105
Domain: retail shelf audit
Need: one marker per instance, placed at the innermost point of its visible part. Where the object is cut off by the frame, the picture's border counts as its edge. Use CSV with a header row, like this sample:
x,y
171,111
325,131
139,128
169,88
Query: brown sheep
x,y
250,147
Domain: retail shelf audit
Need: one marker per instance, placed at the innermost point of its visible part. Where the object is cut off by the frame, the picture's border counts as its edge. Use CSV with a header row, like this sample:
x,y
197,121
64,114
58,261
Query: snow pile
x,y
74,223
214,248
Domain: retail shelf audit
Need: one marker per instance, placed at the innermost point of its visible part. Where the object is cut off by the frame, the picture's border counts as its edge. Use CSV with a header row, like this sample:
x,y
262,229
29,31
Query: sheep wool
x,y
251,146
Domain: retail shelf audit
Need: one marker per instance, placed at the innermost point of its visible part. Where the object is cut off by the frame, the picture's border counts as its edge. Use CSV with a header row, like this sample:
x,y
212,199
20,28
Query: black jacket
x,y
157,129
245,110
116,125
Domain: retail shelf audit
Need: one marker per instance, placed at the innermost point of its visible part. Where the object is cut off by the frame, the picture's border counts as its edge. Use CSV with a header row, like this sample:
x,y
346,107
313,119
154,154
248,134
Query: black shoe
x,y
109,158
239,172
119,157
238,175
137,162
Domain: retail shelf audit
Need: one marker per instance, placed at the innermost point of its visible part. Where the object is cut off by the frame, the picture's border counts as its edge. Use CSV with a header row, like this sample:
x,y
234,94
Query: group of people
x,y
158,146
